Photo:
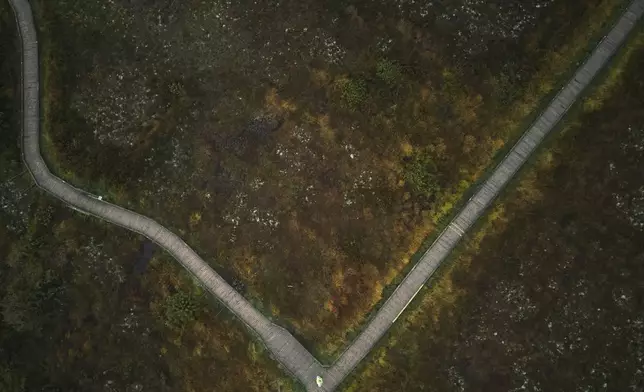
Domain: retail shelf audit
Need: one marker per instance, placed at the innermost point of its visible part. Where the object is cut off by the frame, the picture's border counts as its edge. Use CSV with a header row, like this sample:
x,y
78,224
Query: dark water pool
x,y
146,251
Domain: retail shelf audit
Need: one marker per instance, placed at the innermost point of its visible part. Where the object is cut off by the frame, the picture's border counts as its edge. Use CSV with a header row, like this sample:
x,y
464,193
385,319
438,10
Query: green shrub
x,y
420,175
179,309
354,92
255,351
389,72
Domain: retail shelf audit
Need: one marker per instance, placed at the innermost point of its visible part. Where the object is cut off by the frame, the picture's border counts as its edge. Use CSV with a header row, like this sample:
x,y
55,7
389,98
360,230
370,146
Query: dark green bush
x,y
421,175
354,93
179,309
389,72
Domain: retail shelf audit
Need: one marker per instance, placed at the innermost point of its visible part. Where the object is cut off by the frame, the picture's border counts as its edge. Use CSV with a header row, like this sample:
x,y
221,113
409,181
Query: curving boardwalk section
x,y
281,344
486,193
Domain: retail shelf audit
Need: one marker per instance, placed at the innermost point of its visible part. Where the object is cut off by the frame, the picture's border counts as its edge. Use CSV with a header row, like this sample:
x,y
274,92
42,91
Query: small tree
x,y
421,175
179,309
389,72
354,92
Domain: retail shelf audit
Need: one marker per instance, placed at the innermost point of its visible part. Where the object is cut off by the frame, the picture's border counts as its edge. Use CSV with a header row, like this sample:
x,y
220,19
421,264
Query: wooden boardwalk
x,y
280,343
482,199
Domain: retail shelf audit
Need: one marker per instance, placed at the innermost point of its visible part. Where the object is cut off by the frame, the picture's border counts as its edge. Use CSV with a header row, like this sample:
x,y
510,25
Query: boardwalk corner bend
x,y
281,344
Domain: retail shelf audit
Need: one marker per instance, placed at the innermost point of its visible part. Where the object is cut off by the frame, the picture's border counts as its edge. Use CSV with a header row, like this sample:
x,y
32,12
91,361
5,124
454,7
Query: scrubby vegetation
x,y
548,294
286,141
179,309
389,72
421,175
82,310
354,92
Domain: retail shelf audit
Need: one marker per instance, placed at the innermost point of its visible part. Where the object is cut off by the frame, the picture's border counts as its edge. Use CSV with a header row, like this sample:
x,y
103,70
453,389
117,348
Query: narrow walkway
x,y
483,198
281,344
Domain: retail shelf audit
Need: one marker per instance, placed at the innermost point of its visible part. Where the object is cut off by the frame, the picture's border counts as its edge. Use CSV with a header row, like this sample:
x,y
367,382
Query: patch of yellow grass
x,y
326,131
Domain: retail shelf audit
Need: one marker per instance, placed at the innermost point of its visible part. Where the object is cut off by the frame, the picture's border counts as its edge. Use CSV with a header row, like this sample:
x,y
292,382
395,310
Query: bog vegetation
x,y
304,148
85,306
548,294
